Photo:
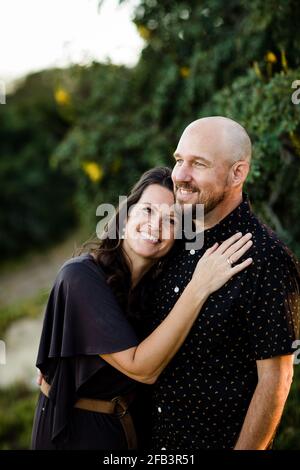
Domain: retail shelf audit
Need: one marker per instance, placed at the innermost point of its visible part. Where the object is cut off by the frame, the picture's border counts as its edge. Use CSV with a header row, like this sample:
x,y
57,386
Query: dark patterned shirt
x,y
201,399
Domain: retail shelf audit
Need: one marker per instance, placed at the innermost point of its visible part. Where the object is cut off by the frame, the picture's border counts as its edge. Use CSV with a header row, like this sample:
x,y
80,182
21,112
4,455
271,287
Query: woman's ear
x,y
239,172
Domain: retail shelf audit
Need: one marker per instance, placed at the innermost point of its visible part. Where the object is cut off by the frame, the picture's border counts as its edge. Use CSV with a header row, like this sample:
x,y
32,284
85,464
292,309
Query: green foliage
x,y
36,200
17,406
200,58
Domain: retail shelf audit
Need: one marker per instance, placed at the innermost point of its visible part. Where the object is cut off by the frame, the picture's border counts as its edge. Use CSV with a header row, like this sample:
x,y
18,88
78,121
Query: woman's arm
x,y
146,361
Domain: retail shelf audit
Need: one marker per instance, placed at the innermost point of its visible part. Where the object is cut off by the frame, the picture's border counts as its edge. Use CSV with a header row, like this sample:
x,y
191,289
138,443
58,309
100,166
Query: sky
x,y
37,34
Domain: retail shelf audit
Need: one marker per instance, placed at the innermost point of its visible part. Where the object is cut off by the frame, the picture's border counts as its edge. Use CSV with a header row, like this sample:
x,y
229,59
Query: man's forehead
x,y
201,156
208,146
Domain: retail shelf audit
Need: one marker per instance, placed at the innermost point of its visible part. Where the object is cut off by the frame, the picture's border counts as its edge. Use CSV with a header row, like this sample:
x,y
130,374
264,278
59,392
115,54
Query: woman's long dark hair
x,y
108,250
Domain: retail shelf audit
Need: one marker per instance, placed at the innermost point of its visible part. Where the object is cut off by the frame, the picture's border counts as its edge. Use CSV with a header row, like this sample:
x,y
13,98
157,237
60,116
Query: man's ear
x,y
239,172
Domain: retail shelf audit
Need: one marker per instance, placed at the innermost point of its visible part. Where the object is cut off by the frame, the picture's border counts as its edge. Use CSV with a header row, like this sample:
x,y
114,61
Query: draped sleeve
x,y
82,320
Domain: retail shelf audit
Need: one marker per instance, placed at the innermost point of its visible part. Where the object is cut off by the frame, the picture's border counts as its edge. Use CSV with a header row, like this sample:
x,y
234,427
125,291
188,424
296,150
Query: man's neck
x,y
219,213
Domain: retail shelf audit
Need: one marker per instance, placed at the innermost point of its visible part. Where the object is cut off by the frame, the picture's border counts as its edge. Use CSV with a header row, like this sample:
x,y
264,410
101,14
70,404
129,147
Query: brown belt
x,y
118,406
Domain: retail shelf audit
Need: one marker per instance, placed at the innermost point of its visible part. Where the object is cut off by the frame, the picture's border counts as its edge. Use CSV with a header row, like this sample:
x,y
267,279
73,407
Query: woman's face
x,y
151,223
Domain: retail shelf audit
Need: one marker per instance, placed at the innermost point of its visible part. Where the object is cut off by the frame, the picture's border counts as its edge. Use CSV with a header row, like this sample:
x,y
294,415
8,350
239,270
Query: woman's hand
x,y
215,267
145,362
39,377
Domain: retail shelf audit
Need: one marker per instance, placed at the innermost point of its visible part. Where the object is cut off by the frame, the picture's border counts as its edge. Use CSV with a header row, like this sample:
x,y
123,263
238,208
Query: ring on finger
x,y
229,261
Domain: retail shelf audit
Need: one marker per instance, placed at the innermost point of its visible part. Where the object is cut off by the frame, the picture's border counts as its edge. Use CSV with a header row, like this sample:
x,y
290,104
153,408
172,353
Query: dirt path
x,y
22,282
38,272
21,341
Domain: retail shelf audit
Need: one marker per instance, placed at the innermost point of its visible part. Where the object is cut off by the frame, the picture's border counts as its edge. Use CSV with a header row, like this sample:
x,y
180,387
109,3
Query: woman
x,y
90,356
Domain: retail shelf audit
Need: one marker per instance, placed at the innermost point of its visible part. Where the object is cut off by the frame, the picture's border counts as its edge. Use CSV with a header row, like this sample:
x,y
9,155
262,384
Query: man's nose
x,y
182,173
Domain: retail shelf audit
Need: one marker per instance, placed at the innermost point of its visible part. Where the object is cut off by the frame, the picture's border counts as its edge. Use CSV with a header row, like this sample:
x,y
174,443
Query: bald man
x,y
227,386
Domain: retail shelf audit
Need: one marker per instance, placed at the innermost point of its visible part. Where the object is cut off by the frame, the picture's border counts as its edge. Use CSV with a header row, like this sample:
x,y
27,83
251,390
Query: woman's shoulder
x,y
84,265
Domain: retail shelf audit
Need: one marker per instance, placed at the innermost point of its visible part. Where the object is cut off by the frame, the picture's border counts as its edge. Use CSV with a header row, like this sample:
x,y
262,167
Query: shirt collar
x,y
236,220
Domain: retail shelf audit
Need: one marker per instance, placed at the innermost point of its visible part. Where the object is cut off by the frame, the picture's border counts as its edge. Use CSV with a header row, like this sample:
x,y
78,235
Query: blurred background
x,y
98,92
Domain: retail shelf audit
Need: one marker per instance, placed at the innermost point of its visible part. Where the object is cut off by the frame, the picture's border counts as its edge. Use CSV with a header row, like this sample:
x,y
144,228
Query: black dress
x,y
82,320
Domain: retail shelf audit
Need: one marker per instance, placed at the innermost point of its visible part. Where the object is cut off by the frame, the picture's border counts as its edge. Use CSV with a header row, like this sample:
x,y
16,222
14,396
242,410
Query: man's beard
x,y
209,199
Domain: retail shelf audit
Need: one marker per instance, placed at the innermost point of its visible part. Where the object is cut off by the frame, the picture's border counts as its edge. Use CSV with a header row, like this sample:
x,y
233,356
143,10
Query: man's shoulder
x,y
269,246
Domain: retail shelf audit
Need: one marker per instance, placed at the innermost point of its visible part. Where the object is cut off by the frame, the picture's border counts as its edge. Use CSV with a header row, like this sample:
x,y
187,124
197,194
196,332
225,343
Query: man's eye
x,y
179,162
147,209
199,164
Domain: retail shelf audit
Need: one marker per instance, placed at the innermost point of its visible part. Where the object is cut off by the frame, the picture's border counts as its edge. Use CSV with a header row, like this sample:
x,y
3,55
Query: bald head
x,y
222,137
212,163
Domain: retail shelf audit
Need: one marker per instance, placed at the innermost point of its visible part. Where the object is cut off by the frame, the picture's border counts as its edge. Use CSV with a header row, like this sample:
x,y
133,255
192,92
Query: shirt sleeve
x,y
82,320
83,317
273,315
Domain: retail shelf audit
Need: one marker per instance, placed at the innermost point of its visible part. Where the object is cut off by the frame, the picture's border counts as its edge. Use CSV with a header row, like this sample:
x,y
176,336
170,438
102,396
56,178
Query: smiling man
x,y
227,386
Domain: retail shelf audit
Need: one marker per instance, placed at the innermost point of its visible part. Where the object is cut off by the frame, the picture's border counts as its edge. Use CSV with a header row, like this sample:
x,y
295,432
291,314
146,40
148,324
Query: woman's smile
x,y
154,240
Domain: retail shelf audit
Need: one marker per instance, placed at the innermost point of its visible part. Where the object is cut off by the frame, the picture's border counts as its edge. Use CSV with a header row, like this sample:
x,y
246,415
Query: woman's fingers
x,y
230,246
213,271
239,267
39,377
210,250
227,243
238,254
234,254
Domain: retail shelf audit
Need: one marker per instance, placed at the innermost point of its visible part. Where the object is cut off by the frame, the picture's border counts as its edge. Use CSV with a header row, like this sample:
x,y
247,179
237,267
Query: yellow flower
x,y
185,71
257,70
271,57
62,97
284,60
144,32
93,170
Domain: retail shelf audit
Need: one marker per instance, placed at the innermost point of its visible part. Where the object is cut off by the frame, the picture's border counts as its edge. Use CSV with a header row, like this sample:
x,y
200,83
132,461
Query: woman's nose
x,y
154,224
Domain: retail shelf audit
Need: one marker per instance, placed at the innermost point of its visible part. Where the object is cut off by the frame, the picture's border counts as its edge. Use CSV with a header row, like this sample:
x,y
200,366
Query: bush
x,y
17,406
209,58
36,200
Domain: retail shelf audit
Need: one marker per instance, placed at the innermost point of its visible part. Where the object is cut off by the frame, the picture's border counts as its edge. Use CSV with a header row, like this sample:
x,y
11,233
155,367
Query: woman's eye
x,y
147,209
169,221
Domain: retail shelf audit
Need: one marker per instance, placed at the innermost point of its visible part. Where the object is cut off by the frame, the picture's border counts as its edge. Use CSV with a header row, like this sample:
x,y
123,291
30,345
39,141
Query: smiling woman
x,y
149,232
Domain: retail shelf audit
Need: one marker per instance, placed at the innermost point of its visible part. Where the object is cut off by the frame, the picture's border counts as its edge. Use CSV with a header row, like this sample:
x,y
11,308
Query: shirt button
x,y
159,409
192,252
176,289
